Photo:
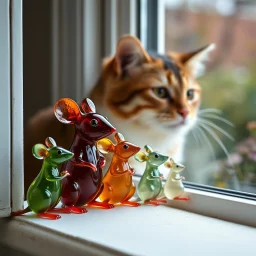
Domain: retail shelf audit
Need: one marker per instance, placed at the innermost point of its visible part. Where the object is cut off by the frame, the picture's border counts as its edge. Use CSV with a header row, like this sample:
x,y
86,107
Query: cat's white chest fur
x,y
170,143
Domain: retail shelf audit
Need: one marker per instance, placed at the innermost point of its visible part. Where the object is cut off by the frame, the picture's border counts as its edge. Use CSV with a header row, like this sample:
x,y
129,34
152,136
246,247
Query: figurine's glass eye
x,y
156,155
161,92
126,146
190,94
59,152
94,122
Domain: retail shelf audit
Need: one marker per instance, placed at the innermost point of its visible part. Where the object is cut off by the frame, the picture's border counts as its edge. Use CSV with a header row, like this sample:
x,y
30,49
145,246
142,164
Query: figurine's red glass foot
x,y
48,216
60,210
128,203
181,198
101,205
74,209
160,200
151,202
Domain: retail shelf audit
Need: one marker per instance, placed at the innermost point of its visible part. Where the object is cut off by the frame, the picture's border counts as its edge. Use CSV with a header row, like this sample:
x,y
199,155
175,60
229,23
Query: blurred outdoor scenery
x,y
229,85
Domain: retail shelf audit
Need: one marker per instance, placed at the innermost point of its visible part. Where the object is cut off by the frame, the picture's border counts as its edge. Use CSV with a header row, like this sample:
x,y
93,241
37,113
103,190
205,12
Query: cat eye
x,y
161,92
94,122
190,94
59,152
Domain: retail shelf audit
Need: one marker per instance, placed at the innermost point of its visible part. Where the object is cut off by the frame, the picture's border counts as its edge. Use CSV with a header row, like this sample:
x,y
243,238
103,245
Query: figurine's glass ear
x,y
169,164
39,151
88,106
141,157
119,137
105,146
148,149
50,142
67,111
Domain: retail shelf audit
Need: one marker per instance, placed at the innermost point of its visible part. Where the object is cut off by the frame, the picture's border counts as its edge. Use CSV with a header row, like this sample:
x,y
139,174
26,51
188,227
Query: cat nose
x,y
183,112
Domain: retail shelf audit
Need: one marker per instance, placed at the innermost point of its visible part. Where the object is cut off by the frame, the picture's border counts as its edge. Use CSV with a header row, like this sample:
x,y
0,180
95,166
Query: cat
x,y
151,99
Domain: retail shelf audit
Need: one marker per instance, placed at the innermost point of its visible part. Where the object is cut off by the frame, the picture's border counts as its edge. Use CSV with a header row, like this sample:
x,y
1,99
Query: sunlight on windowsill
x,y
149,230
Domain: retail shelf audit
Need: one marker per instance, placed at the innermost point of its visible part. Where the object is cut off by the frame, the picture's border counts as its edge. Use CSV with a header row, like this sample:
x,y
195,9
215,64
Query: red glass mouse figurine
x,y
84,184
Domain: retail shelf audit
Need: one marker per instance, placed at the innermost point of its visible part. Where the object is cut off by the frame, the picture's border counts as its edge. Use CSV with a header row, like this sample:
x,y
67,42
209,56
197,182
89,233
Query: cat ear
x,y
39,151
130,53
105,146
195,61
141,157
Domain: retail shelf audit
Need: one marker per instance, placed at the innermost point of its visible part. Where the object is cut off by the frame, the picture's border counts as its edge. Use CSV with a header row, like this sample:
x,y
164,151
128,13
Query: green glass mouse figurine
x,y
45,191
150,188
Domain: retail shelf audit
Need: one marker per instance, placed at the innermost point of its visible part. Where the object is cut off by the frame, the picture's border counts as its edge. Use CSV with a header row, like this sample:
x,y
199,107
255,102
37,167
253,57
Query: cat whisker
x,y
211,124
207,141
224,120
210,110
196,137
217,139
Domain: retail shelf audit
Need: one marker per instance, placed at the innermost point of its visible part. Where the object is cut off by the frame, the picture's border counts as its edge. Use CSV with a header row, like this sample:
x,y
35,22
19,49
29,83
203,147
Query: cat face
x,y
152,91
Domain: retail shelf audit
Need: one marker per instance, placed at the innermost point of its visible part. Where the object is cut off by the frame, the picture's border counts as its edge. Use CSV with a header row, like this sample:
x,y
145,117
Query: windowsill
x,y
146,230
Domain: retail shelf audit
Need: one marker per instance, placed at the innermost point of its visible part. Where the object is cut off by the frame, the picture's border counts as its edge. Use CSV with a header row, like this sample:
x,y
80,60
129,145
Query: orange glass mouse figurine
x,y
118,185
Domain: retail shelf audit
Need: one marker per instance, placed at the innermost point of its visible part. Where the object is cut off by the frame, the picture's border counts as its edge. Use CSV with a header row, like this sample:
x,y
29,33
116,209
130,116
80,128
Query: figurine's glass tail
x,y
18,213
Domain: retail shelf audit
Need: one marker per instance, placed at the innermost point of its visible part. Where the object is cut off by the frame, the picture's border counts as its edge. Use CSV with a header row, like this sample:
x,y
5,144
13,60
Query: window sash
x,y
152,24
5,128
11,98
17,159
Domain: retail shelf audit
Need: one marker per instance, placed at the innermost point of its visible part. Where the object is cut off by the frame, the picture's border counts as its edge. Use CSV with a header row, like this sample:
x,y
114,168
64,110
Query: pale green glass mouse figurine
x,y
174,188
150,188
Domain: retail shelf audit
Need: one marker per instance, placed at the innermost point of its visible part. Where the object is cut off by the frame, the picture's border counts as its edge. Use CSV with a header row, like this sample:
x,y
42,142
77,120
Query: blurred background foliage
x,y
228,85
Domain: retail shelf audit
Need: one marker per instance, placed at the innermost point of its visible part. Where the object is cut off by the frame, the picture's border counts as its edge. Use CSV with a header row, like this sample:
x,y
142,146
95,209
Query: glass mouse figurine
x,y
45,191
84,185
118,185
174,188
150,188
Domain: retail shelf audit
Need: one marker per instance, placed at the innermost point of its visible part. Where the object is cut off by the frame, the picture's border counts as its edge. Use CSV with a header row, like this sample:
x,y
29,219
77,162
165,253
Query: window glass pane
x,y
228,89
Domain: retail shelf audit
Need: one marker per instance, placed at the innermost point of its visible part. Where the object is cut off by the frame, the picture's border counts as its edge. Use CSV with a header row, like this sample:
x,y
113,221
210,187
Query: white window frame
x,y
219,206
11,98
5,159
